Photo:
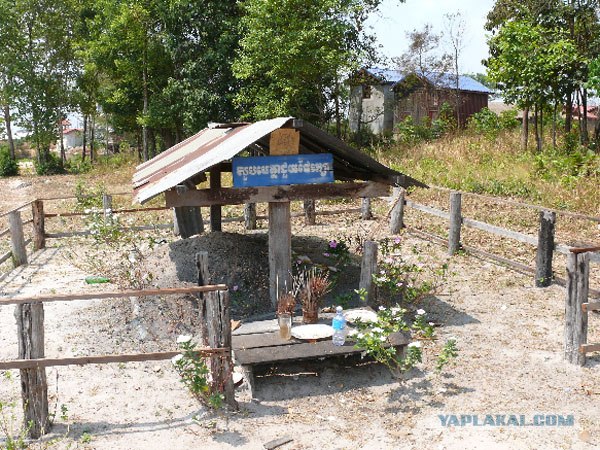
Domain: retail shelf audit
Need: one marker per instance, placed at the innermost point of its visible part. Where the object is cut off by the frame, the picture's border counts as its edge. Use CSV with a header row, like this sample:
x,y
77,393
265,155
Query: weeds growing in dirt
x,y
195,374
398,279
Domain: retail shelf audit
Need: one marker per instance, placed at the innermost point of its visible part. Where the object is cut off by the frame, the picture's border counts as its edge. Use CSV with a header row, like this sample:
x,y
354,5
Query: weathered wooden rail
x,y
577,307
32,363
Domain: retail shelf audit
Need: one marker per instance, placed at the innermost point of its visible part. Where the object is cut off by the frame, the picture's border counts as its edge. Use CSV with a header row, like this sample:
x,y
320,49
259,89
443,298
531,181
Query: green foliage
x,y
88,196
397,278
294,54
76,165
105,227
489,124
409,133
448,353
194,374
8,166
568,164
373,338
50,164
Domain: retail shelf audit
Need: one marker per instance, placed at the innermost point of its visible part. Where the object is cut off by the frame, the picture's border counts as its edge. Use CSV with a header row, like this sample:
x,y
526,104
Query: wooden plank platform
x,y
266,348
258,344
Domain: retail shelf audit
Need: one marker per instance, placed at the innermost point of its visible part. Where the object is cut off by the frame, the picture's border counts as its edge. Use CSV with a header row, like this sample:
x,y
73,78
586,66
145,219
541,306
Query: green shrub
x,y
51,164
485,122
77,165
8,166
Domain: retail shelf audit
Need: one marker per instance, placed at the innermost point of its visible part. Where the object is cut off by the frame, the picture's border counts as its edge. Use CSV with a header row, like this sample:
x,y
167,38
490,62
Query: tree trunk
x,y
554,114
569,112
93,138
583,130
9,137
338,118
61,134
152,143
106,135
145,109
525,129
85,130
536,116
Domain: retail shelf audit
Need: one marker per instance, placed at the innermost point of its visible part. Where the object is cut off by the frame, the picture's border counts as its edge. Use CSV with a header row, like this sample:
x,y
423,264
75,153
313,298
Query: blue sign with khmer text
x,y
285,169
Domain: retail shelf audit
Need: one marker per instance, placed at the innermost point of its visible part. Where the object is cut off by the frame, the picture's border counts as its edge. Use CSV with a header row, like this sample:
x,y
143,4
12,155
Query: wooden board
x,y
238,196
267,348
285,141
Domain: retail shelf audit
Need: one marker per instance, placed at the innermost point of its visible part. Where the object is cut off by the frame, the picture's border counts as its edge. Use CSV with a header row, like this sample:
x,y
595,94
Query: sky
x,y
395,19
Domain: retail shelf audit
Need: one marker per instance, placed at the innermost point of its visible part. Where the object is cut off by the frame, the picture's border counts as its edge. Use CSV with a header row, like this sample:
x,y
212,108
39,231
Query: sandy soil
x,y
509,334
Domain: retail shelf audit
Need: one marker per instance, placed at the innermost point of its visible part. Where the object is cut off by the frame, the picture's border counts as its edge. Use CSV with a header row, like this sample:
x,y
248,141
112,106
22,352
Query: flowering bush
x,y
338,257
373,338
195,374
103,228
397,278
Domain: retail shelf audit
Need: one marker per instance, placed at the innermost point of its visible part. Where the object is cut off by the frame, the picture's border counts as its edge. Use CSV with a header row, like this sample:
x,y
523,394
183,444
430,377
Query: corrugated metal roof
x,y
438,79
214,145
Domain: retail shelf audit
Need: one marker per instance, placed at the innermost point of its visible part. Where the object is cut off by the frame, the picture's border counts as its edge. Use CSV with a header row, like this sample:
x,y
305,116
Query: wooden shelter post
x,y
285,141
215,210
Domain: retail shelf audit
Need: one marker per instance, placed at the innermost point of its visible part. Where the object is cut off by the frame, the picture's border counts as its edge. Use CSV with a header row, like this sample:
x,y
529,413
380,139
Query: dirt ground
x,y
510,337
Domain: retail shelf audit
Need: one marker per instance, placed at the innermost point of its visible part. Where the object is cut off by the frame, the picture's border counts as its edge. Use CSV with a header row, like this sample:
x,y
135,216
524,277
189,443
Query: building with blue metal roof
x,y
381,98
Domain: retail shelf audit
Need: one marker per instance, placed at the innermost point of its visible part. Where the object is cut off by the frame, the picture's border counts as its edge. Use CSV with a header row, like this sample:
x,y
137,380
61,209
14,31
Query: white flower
x,y
184,339
420,312
382,338
415,344
360,335
431,324
382,308
175,359
377,330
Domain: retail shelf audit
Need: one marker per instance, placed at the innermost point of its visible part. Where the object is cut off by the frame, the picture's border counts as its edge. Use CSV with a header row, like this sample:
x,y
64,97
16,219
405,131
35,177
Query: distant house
x,y
382,98
73,137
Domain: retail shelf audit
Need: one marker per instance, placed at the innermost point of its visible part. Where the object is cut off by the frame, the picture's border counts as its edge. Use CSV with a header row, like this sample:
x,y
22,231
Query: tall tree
x,y
455,27
294,52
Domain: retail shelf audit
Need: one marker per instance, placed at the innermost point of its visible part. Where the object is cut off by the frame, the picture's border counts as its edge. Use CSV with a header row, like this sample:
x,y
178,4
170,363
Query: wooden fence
x,y
32,363
577,307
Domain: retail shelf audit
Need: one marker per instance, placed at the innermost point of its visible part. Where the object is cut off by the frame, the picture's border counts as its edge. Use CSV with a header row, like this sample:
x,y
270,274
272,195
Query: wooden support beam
x,y
100,359
578,272
106,206
365,209
310,214
17,240
250,216
280,250
215,210
586,307
589,348
455,223
545,249
397,213
39,232
117,294
271,194
34,388
367,269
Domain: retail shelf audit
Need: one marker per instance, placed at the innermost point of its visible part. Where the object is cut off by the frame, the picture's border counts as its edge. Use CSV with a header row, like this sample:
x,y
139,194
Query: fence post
x,y
203,280
397,213
106,206
368,267
17,240
455,223
578,272
365,209
34,388
219,336
39,231
545,249
310,215
250,216
215,210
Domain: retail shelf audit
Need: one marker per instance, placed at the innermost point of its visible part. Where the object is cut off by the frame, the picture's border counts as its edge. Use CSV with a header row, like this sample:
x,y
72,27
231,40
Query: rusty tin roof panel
x,y
196,154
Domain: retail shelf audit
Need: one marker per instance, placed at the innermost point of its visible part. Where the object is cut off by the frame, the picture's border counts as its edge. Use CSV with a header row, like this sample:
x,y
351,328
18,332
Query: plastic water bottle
x,y
339,327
